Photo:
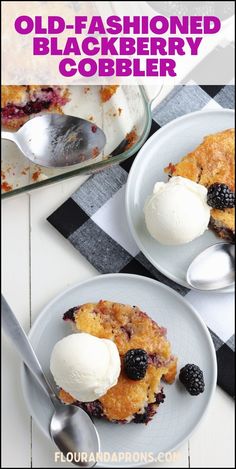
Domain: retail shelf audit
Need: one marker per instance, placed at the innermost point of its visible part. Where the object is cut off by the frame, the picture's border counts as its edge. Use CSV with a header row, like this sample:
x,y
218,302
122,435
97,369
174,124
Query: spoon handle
x,y
14,331
5,135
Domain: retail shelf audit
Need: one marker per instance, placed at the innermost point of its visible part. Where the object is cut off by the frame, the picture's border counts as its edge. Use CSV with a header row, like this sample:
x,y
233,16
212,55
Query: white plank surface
x,y
212,445
16,422
37,264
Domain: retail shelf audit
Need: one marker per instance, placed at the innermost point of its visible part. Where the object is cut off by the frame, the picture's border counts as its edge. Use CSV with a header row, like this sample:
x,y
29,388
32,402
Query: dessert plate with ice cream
x,y
113,346
180,191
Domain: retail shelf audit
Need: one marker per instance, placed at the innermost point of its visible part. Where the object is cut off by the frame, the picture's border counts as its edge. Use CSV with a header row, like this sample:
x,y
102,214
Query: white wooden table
x,y
37,263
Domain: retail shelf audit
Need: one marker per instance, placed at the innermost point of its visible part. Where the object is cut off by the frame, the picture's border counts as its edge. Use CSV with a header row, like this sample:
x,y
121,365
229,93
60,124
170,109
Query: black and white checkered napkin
x,y
93,219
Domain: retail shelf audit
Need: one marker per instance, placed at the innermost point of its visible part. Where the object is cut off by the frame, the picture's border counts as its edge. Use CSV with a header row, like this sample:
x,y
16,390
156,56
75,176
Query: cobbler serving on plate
x,y
212,164
145,355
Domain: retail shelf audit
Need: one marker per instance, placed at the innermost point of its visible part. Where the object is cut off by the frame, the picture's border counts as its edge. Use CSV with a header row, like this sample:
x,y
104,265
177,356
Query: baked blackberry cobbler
x,y
18,103
145,355
212,165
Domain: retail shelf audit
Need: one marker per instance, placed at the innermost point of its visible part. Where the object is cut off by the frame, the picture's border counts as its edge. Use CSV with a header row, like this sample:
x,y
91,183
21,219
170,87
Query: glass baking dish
x,y
125,119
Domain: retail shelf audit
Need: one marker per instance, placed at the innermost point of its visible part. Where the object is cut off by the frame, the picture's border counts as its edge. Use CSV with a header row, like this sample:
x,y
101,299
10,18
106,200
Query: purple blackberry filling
x,y
127,330
222,231
150,410
147,415
69,315
37,102
32,107
160,397
154,359
163,331
95,409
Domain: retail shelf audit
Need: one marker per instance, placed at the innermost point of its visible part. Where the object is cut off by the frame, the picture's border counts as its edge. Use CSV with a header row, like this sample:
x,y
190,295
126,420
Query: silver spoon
x,y
213,268
57,140
71,428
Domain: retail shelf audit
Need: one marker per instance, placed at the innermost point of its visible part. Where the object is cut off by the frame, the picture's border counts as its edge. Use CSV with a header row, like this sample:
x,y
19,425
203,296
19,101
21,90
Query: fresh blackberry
x,y
192,378
135,363
220,196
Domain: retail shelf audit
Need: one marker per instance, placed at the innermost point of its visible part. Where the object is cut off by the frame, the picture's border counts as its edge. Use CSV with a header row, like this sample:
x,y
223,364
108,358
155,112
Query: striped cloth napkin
x,y
93,220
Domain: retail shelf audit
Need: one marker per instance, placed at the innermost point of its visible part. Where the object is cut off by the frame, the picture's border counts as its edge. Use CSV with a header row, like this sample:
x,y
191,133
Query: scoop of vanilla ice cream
x,y
177,211
85,366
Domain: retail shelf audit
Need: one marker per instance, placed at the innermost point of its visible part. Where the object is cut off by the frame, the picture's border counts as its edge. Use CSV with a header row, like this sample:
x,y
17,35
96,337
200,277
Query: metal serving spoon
x,y
71,428
57,140
213,268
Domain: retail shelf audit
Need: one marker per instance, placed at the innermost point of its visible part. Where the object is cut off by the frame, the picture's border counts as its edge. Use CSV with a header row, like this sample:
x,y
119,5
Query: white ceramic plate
x,y
191,342
170,144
